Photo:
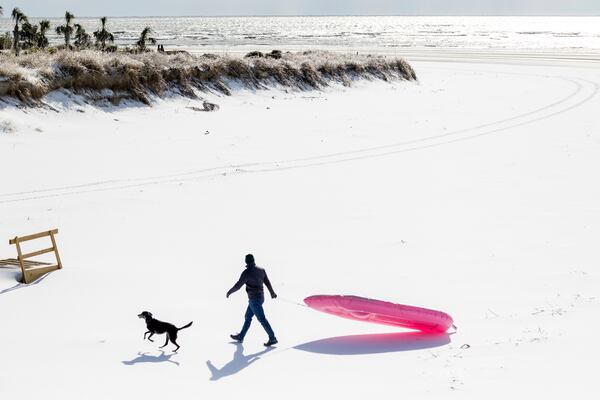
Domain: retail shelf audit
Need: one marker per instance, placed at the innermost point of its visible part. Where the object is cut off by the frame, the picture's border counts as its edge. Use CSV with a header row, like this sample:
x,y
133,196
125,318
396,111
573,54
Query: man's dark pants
x,y
255,308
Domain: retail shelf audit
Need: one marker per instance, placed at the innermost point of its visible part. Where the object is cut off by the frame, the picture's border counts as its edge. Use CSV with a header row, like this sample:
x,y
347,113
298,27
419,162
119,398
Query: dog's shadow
x,y
238,363
145,358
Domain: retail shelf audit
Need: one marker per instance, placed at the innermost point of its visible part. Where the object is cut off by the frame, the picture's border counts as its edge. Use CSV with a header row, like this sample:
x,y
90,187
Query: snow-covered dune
x,y
110,78
473,191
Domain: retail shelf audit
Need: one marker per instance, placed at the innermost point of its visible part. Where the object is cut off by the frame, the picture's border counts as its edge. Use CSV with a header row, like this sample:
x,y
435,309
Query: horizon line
x,y
313,15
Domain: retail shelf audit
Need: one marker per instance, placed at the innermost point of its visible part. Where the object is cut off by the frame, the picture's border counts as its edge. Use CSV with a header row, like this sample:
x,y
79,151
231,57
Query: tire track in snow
x,y
583,92
457,137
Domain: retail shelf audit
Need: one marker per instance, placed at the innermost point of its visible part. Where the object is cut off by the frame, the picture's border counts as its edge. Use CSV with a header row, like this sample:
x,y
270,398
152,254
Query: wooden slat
x,y
10,261
37,253
27,263
34,236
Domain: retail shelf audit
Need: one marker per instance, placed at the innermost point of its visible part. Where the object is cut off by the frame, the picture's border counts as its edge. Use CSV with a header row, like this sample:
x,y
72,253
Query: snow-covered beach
x,y
472,191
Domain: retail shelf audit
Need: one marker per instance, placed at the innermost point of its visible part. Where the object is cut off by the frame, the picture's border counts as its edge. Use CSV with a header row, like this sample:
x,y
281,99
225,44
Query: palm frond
x,y
44,25
69,17
18,16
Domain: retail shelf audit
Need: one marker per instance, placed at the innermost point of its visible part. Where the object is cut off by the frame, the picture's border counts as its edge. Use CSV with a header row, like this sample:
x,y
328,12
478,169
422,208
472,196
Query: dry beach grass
x,y
114,76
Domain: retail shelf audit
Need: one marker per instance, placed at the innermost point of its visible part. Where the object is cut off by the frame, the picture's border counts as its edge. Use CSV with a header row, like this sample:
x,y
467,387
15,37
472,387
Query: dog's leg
x,y
150,337
173,340
146,334
166,342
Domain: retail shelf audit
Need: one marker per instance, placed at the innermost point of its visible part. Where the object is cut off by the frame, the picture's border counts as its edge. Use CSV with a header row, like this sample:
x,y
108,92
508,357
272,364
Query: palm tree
x,y
29,35
141,43
102,35
42,39
82,39
67,29
19,18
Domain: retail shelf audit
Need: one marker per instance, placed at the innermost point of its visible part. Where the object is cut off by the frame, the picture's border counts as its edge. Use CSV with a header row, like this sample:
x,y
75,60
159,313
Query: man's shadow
x,y
145,358
239,362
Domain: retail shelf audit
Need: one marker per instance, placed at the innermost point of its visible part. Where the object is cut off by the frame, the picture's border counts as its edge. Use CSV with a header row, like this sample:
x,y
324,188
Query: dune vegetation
x,y
140,76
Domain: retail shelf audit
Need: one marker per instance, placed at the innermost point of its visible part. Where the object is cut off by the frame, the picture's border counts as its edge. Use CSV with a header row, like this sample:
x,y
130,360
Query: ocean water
x,y
377,34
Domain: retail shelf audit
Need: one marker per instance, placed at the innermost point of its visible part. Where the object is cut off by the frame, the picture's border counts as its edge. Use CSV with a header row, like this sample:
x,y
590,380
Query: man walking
x,y
254,277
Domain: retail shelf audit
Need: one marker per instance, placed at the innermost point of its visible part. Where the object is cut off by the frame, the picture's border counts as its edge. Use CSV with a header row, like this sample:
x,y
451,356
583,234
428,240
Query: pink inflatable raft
x,y
381,312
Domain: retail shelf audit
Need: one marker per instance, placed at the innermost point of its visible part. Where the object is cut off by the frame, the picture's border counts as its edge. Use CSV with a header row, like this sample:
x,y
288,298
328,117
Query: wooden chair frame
x,y
33,273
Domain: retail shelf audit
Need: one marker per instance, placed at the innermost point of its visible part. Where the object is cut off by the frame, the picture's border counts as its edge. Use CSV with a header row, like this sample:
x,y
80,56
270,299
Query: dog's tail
x,y
185,326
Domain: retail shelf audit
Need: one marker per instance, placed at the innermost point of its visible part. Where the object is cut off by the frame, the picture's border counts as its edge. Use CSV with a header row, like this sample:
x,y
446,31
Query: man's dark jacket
x,y
253,277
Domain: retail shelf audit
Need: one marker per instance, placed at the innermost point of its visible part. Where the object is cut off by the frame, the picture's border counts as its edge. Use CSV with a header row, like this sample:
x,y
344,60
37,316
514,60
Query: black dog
x,y
156,326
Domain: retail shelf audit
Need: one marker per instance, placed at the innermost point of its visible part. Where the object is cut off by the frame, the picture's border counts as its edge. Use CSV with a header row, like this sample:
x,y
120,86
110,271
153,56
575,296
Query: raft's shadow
x,y
376,343
145,358
238,363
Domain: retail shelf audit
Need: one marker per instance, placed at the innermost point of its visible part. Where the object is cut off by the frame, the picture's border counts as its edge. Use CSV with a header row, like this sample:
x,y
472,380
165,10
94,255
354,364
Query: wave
x,y
335,33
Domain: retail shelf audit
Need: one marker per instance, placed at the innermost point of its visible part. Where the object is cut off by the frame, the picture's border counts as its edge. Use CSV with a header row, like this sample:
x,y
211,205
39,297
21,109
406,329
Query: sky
x,y
50,8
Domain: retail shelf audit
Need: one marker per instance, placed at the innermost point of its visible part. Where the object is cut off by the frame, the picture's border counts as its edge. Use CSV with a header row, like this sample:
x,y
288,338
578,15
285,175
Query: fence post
x,y
55,250
20,258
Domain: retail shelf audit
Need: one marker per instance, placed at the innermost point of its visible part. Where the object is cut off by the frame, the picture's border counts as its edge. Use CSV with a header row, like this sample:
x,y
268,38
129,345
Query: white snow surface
x,y
474,191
